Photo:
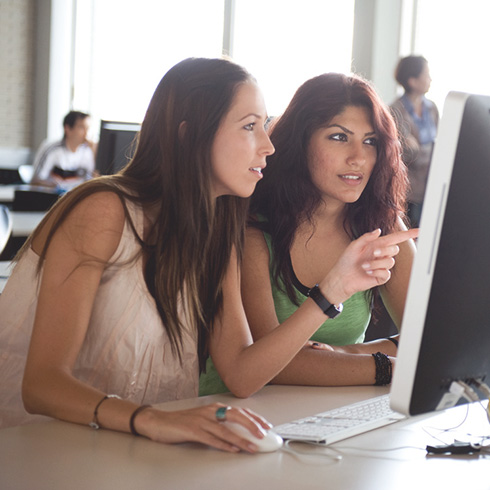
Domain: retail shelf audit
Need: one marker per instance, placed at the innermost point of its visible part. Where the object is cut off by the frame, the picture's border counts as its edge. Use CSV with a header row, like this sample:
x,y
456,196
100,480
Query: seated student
x,y
70,161
336,174
132,279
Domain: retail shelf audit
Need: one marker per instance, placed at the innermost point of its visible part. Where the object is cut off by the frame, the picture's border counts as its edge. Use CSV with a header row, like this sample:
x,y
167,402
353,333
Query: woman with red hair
x,y
336,174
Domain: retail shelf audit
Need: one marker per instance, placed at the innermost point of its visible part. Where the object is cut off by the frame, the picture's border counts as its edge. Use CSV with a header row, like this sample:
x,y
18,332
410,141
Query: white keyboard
x,y
341,423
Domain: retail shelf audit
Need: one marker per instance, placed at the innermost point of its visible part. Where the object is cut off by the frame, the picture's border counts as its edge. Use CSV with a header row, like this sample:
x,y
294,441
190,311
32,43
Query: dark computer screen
x,y
116,145
445,332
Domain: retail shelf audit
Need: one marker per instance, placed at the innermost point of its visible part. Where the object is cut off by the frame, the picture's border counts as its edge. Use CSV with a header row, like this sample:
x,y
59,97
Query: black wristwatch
x,y
328,308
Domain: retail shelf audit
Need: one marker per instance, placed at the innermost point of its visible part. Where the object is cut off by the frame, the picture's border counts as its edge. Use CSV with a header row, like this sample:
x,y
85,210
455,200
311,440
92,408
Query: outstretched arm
x,y
245,368
394,294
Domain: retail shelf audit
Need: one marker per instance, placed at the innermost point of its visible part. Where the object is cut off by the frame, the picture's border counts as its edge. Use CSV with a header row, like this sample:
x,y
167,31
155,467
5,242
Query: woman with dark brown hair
x,y
336,174
132,279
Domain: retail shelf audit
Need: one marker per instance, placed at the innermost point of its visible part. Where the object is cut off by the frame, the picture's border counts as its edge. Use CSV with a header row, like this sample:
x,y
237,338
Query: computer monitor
x,y
116,145
445,332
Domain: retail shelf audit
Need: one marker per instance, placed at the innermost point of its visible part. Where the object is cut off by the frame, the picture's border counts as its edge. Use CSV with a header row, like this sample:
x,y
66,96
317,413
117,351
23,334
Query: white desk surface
x,y
7,193
24,222
57,455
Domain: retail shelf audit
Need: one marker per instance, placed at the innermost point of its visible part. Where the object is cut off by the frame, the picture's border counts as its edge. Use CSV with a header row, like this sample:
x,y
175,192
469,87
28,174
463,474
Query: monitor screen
x,y
116,145
445,332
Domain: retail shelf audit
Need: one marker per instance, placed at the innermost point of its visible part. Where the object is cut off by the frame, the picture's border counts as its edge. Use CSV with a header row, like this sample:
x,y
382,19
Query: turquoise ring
x,y
221,413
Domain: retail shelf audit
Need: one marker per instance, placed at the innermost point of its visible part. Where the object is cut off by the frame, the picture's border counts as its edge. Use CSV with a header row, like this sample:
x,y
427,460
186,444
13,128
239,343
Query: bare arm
x,y
246,367
394,294
325,367
74,263
72,270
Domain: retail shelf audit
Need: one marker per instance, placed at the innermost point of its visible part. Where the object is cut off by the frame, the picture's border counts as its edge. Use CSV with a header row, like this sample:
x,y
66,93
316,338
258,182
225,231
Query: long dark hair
x,y
286,195
189,245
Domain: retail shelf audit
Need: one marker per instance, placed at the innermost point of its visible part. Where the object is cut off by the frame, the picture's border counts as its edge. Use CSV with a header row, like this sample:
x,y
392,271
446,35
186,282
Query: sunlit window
x,y
285,42
123,47
455,43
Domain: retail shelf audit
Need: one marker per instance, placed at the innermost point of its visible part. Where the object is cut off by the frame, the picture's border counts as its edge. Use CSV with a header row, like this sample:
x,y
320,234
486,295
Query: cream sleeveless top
x,y
126,350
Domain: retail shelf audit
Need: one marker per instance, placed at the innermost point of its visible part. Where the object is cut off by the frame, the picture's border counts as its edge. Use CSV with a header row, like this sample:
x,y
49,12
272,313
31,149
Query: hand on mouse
x,y
269,443
202,425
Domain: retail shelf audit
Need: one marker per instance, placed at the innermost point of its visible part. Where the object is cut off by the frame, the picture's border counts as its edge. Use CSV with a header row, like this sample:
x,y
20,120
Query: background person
x,y
70,161
417,119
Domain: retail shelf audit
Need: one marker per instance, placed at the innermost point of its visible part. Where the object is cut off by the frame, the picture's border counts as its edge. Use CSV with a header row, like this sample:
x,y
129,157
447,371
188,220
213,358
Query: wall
x,y
17,34
376,45
36,73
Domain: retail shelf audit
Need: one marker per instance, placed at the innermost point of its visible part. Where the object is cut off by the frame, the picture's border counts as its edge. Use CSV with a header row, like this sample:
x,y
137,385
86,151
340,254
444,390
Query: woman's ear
x,y
182,130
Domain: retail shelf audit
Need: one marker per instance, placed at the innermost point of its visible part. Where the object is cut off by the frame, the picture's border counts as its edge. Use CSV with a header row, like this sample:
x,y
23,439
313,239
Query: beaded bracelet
x,y
384,369
95,422
133,416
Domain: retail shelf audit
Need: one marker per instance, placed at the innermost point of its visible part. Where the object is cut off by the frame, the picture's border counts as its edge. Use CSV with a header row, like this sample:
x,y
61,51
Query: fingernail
x,y
366,265
369,272
377,252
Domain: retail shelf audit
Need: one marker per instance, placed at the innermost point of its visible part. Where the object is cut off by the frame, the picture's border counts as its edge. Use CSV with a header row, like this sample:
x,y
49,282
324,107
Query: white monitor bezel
x,y
427,247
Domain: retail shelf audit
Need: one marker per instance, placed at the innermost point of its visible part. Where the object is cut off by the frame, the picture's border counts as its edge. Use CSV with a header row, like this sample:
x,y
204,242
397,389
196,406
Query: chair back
x,y
5,226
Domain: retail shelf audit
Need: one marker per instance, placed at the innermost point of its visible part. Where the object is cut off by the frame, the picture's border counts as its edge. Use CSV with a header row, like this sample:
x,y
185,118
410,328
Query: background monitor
x,y
445,332
116,145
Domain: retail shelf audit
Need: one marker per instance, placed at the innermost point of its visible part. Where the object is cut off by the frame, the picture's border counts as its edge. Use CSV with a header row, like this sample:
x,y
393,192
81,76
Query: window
x,y
123,48
285,42
455,39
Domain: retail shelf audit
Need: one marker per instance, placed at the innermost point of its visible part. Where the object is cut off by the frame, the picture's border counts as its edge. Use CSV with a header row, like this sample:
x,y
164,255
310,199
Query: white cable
x,y
469,393
297,452
486,390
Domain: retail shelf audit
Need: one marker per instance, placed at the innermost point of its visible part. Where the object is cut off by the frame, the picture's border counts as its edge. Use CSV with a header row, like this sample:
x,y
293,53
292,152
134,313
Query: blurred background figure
x,y
417,118
70,161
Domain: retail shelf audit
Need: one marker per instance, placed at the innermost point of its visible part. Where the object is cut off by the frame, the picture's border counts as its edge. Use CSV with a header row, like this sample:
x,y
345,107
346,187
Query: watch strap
x,y
328,308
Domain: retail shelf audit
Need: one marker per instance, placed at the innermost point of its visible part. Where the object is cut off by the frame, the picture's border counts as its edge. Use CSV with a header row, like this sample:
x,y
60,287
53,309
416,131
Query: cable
x,y
296,452
486,390
464,391
457,388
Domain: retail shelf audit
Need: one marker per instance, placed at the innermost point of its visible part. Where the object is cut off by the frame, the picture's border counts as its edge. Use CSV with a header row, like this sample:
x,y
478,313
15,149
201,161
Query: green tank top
x,y
347,328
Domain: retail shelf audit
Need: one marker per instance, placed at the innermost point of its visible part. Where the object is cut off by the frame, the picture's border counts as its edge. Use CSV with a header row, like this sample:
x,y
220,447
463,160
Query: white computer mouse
x,y
271,442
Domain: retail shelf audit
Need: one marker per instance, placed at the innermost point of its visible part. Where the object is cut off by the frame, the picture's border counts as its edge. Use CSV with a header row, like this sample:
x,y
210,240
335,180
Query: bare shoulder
x,y
100,207
255,257
255,241
400,225
409,245
93,228
97,223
